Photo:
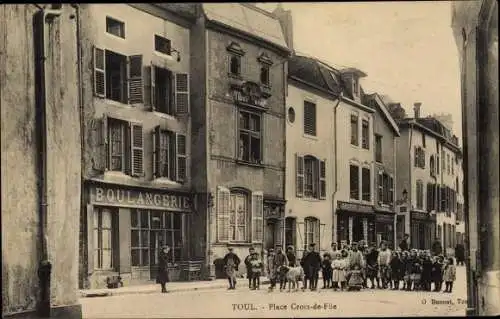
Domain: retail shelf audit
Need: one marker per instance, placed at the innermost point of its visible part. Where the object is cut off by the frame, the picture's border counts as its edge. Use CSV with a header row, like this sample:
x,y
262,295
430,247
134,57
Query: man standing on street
x,y
312,262
384,259
403,245
231,263
279,261
248,265
271,271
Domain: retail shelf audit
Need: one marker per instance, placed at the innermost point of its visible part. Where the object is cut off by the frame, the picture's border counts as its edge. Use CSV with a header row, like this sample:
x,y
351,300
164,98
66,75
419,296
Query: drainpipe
x,y
335,190
41,33
410,168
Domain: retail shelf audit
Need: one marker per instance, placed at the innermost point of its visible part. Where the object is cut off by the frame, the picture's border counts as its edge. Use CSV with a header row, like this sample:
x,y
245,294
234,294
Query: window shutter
x,y
257,216
380,184
146,76
172,156
99,72
391,190
299,183
156,151
100,157
322,179
429,197
152,92
181,157
134,64
322,237
136,150
223,211
317,233
90,238
181,93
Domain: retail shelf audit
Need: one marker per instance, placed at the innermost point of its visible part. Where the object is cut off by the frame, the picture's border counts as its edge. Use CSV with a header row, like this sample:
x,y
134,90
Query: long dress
x,y
163,262
231,261
338,266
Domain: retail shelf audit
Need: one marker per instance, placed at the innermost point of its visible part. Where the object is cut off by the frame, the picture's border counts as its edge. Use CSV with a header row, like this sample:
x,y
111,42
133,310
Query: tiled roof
x,y
317,73
247,19
374,100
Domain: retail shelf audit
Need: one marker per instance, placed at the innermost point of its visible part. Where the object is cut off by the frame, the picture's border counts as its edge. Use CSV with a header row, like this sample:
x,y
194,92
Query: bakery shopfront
x,y
126,228
355,222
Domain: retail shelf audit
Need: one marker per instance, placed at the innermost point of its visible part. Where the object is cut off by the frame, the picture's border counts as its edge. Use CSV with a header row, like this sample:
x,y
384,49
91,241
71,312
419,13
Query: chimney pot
x,y
416,109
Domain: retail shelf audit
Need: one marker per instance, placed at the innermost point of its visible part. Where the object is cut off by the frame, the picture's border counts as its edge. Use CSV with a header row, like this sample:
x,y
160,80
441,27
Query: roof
x,y
247,19
316,73
434,126
375,97
354,71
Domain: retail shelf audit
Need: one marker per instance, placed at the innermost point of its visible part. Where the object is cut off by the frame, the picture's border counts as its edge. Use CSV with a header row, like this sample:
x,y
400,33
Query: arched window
x,y
420,194
311,231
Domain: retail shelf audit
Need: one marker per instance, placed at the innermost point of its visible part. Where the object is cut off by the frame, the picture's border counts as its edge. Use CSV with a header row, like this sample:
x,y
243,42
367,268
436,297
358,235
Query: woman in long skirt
x,y
164,261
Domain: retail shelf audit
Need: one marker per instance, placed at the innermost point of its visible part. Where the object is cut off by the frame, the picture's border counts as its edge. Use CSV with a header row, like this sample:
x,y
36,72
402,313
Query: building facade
x,y
386,132
137,146
40,161
238,136
354,197
475,28
427,174
312,99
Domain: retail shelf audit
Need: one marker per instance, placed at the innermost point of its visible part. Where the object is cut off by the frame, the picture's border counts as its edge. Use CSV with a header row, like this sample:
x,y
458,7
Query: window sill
x,y
114,36
117,174
163,55
165,115
311,137
165,181
237,77
242,162
238,243
312,199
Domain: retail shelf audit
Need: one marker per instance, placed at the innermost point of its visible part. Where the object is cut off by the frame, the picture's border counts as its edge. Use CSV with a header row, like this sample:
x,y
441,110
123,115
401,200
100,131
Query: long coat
x,y
231,262
164,260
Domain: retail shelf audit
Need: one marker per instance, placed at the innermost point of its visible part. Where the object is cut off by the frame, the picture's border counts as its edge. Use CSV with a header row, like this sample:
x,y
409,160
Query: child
x,y
416,271
426,272
326,269
437,273
449,274
336,271
408,271
256,267
372,266
396,270
343,265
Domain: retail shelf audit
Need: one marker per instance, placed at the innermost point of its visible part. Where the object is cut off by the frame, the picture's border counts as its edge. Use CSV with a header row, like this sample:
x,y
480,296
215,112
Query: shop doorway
x,y
357,229
155,244
271,232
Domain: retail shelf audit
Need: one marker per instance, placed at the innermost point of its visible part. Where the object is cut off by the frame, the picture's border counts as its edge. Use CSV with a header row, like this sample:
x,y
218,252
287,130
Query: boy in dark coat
x,y
426,272
248,266
372,266
290,255
312,261
437,273
396,270
231,263
164,261
327,271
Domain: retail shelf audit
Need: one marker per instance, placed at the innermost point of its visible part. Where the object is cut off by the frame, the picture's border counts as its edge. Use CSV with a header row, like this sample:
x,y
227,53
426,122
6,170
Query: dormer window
x,y
266,63
355,86
235,53
264,75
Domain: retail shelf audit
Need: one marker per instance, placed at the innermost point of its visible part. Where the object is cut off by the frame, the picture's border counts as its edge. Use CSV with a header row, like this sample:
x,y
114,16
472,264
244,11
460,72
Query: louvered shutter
x,y
147,81
321,239
299,181
257,217
322,179
181,157
172,156
181,93
300,235
429,197
223,211
136,150
152,92
100,158
156,151
309,118
90,238
134,65
99,62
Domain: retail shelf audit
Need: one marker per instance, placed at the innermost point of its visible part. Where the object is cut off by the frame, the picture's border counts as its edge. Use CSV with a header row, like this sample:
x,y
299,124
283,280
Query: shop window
x,y
366,184
354,181
163,45
354,130
378,148
290,231
115,27
311,232
365,134
250,138
103,239
235,211
140,237
309,118
420,194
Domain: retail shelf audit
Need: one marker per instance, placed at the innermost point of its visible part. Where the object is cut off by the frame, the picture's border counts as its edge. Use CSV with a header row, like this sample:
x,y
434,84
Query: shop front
x,y
355,222
126,228
423,229
384,227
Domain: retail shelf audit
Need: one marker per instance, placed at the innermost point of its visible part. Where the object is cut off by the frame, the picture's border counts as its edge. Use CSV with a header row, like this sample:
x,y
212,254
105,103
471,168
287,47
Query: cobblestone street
x,y
253,304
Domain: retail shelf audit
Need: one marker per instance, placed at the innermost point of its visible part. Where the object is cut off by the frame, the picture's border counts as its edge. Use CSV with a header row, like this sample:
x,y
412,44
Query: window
x,y
291,115
380,188
235,65
151,229
423,139
432,166
311,231
431,197
264,75
448,163
365,135
354,181
311,177
444,161
309,118
419,157
103,238
164,91
118,77
378,148
170,155
452,167
354,130
117,141
167,92
163,45
366,185
236,212
115,27
420,194
290,230
385,188
250,137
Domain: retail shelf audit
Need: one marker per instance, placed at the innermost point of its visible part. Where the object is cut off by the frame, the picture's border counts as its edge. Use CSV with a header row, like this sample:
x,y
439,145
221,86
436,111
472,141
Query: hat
x,y
277,246
312,244
270,250
289,247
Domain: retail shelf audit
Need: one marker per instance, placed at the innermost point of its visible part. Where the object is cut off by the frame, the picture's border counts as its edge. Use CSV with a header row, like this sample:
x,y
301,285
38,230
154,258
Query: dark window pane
x,y
255,149
354,181
144,218
145,238
135,241
244,151
134,218
168,220
177,239
177,221
145,257
255,123
136,261
156,219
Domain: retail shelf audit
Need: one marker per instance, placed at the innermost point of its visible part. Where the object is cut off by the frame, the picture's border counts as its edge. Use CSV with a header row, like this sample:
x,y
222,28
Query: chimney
x,y
416,109
285,19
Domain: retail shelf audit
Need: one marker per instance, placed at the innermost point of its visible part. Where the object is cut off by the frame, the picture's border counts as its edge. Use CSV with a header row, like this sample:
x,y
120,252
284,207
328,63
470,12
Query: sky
x,y
406,49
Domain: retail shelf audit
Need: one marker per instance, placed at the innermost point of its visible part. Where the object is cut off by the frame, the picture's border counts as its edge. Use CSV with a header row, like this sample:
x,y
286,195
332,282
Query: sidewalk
x,y
171,287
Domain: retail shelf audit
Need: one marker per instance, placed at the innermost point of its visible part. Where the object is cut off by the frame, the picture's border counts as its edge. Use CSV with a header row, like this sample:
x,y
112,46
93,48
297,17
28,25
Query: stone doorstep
x,y
172,287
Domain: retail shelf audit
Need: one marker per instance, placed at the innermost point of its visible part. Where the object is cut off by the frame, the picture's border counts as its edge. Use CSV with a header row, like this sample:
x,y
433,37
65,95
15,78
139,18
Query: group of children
x,y
416,270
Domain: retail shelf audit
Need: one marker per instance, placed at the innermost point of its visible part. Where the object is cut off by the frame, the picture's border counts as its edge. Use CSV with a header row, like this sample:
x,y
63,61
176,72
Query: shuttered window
x,y
299,181
420,194
181,93
223,212
310,177
365,134
378,148
257,217
117,132
181,157
170,155
311,231
135,79
309,118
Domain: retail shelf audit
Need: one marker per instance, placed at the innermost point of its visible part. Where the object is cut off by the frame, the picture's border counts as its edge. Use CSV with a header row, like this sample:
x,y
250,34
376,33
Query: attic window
x,y
355,85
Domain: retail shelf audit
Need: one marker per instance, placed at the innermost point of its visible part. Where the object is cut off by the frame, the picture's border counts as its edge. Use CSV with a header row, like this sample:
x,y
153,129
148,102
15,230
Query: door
x,y
357,229
154,250
270,233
